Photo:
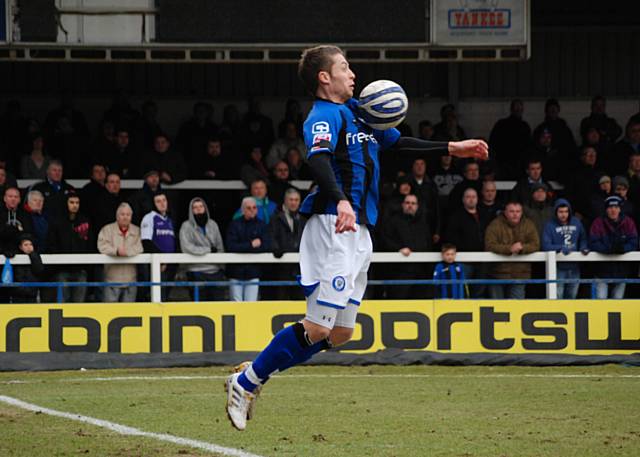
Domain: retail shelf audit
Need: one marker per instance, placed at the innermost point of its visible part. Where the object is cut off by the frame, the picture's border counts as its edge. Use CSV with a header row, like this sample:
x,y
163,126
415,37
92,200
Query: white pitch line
x,y
336,376
125,430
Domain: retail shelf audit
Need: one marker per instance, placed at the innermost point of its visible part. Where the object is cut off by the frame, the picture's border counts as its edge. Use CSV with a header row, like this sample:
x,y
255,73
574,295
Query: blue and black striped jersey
x,y
333,128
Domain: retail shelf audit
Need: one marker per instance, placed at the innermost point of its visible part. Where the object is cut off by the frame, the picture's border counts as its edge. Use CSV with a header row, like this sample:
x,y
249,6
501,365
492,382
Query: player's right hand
x,y
346,217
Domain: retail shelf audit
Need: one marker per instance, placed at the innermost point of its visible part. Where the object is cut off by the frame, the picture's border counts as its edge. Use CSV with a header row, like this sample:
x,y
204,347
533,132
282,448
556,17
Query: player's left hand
x,y
475,149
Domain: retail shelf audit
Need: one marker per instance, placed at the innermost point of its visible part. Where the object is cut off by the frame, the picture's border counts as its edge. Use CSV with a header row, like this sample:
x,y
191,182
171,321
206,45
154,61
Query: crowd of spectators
x,y
427,203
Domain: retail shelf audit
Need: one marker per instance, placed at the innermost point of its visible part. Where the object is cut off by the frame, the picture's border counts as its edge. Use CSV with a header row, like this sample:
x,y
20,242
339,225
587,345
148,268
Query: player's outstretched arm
x,y
476,149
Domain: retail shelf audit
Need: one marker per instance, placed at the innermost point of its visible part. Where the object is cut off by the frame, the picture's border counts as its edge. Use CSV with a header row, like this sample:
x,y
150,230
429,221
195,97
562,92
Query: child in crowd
x,y
449,270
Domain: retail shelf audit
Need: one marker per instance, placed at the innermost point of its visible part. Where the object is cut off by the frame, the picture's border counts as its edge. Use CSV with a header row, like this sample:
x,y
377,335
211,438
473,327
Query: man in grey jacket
x,y
200,235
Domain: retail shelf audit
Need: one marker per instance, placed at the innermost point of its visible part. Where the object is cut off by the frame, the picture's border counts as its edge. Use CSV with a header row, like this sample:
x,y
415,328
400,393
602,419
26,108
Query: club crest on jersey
x,y
320,127
339,283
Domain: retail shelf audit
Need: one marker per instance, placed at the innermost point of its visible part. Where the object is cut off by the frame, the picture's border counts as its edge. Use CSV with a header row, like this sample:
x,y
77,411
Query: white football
x,y
383,104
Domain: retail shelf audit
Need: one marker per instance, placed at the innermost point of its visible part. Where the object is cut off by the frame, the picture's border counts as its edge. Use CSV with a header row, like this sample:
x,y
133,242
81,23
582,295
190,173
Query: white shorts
x,y
333,271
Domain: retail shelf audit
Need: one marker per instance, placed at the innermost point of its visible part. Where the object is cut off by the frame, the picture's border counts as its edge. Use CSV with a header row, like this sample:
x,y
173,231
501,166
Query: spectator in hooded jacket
x,y
564,233
247,234
613,233
72,234
200,235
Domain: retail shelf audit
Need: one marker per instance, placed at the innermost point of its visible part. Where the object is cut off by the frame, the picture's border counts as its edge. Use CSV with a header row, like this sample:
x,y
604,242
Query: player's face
x,y
342,79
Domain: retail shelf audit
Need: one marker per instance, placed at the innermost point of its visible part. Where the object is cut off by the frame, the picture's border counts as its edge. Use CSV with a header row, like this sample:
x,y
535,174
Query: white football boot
x,y
238,401
252,406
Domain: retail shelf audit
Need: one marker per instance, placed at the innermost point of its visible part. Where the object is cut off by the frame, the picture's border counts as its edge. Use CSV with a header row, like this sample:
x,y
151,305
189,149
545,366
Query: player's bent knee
x,y
316,332
340,335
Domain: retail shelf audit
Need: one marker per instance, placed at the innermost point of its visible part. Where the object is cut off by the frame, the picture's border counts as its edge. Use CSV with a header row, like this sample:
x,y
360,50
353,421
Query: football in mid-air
x,y
383,104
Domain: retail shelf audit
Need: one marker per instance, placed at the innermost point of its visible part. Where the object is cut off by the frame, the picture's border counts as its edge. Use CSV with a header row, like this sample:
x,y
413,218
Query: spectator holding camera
x,y
613,233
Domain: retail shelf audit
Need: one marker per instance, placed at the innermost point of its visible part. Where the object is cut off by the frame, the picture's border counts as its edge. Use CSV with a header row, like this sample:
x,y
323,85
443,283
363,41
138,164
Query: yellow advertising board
x,y
582,327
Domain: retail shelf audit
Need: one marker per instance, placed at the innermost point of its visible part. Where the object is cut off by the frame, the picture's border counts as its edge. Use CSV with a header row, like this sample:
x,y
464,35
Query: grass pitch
x,y
331,411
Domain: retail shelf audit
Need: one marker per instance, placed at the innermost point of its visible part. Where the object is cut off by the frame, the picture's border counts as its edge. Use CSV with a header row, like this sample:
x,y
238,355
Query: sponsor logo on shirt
x,y
360,137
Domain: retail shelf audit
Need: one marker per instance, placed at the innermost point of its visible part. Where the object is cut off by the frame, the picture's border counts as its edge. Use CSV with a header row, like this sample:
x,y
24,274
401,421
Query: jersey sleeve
x,y
321,131
146,227
386,138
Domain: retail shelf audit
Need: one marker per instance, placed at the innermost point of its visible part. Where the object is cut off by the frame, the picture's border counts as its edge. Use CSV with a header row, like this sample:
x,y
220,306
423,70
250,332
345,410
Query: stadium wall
x,y
412,331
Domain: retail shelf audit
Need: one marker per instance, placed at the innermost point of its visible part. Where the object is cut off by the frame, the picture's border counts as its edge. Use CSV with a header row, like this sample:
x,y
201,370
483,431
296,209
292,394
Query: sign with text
x,y
581,327
479,22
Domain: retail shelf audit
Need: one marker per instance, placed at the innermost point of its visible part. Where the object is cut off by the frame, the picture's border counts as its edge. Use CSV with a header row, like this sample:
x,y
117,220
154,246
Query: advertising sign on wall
x,y
479,22
581,327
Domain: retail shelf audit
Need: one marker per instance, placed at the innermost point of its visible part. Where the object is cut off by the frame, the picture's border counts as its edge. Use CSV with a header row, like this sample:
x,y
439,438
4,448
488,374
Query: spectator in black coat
x,y
286,232
27,273
55,190
141,201
118,156
168,162
11,222
298,169
90,192
407,232
195,133
107,202
465,230
522,190
72,235
584,184
510,139
618,161
608,127
471,180
489,202
6,179
247,234
279,182
211,162
562,137
427,193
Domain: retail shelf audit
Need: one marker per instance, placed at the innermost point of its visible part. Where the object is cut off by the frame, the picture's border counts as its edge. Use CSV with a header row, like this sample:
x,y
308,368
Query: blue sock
x,y
306,354
288,347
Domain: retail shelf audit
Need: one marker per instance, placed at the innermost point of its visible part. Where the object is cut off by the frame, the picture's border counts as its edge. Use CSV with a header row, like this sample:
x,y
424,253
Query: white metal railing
x,y
208,184
550,260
